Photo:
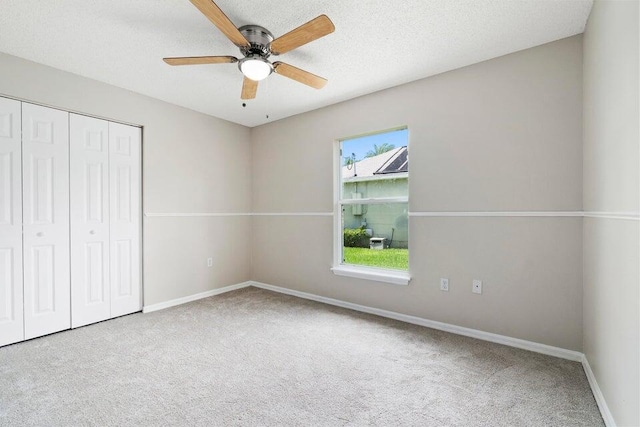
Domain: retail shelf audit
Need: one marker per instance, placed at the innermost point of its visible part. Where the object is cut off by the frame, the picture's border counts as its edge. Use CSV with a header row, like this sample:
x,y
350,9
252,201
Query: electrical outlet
x,y
444,284
209,262
477,286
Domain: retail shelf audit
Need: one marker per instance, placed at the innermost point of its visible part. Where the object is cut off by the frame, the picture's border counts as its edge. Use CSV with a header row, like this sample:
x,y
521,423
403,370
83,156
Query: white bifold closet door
x,y
105,220
11,309
45,197
125,206
89,145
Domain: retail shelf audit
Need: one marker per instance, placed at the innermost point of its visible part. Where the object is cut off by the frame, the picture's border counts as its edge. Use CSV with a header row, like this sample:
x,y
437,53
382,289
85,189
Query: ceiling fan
x,y
256,45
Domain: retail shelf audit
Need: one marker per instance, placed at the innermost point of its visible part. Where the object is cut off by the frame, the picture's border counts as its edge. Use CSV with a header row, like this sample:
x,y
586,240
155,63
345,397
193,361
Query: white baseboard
x,y
183,300
459,330
597,394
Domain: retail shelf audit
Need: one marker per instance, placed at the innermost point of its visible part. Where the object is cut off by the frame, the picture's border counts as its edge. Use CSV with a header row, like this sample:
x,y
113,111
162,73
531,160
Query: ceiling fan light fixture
x,y
255,68
256,44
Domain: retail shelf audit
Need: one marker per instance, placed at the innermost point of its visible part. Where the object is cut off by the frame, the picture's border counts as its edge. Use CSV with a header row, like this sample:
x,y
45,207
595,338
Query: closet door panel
x,y
11,298
89,193
45,167
125,197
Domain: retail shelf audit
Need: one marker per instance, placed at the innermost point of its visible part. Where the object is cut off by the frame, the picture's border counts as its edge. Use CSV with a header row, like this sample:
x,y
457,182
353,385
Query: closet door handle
x,y
39,234
92,232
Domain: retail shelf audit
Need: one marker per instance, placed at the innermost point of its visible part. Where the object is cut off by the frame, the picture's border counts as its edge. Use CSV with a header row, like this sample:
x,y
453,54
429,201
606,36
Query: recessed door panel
x,y
94,270
41,130
122,278
122,196
94,174
43,273
90,270
11,310
11,292
125,179
7,186
7,117
7,308
42,189
45,191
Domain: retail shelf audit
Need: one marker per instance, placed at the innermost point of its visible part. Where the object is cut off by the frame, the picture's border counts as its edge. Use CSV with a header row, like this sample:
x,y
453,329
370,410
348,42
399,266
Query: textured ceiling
x,y
376,45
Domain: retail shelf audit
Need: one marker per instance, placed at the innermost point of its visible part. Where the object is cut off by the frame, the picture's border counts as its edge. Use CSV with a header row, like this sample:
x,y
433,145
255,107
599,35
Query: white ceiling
x,y
377,44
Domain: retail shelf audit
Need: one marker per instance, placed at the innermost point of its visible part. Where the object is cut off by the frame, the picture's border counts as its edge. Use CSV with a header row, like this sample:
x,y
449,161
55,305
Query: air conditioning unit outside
x,y
377,243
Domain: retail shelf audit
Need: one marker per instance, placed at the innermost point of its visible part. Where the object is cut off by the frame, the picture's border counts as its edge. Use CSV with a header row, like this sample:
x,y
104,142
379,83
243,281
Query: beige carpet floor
x,y
253,357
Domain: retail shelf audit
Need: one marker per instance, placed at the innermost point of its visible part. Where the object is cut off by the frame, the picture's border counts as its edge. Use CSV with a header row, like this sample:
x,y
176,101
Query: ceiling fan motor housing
x,y
259,38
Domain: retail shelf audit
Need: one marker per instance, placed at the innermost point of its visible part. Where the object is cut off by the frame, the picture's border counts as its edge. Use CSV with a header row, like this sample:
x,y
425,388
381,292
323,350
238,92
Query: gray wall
x,y
502,135
611,185
191,163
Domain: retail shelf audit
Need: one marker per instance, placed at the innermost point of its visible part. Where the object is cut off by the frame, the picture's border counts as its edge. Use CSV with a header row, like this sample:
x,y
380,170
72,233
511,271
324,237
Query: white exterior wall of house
x,y
389,221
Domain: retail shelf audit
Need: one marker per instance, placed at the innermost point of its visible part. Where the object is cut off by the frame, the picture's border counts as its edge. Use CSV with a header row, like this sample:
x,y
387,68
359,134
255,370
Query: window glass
x,y
375,168
376,235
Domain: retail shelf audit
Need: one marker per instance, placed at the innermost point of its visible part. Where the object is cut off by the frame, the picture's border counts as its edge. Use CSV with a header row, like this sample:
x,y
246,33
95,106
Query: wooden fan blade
x,y
299,75
197,60
312,30
249,88
220,20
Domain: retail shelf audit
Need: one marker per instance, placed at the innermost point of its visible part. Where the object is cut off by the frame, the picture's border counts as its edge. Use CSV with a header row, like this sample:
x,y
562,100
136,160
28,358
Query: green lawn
x,y
387,258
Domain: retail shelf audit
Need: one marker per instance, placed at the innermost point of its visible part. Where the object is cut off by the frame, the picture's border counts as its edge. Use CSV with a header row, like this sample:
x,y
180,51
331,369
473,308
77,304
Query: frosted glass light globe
x,y
256,68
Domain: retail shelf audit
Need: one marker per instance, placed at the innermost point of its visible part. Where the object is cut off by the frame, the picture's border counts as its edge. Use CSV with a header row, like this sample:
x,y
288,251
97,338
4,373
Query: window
x,y
372,203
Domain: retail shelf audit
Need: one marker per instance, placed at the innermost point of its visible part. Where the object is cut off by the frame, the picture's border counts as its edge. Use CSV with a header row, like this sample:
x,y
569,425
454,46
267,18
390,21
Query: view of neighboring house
x,y
384,175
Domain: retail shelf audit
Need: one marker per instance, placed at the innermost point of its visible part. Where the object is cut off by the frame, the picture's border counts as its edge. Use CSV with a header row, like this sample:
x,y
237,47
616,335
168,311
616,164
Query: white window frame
x,y
396,277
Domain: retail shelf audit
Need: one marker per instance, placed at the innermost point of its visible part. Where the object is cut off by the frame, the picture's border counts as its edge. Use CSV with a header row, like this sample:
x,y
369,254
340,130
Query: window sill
x,y
379,275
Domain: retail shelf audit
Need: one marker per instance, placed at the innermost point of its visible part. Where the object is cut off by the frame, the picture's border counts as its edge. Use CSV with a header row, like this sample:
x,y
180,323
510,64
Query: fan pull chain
x,y
268,101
